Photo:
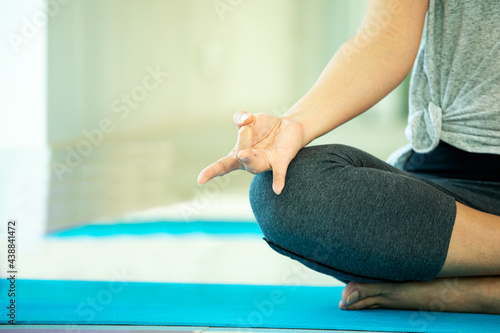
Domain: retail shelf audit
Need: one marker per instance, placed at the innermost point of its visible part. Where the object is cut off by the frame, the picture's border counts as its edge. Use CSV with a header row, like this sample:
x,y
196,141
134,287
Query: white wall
x,y
152,149
111,156
24,153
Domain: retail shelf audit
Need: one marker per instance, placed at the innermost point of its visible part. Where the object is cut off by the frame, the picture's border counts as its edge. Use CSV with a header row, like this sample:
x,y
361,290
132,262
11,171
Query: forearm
x,y
354,80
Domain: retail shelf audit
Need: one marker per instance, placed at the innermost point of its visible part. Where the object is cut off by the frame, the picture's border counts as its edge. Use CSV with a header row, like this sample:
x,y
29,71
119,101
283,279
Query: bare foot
x,y
461,294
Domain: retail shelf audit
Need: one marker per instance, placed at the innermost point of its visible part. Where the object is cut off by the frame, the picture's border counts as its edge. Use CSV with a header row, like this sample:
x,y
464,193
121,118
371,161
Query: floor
x,y
190,258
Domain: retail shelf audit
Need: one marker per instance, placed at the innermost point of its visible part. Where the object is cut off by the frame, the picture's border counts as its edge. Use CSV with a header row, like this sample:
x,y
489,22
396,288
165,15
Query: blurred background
x,y
110,109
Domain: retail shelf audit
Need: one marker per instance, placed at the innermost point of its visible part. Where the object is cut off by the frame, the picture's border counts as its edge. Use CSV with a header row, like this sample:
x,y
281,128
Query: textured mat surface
x,y
133,303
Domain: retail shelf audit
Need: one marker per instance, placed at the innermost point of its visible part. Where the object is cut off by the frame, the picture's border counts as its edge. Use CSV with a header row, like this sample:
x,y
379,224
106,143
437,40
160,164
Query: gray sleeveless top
x,y
455,84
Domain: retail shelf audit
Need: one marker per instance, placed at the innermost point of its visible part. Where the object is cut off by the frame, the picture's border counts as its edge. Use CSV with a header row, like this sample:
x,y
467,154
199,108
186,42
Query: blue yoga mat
x,y
203,305
214,228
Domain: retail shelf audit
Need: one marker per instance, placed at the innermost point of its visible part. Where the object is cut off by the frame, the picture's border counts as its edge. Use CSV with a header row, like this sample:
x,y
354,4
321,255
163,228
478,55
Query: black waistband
x,y
450,162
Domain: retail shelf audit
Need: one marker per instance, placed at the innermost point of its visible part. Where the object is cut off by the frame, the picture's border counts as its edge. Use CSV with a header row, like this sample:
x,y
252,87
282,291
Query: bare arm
x,y
365,69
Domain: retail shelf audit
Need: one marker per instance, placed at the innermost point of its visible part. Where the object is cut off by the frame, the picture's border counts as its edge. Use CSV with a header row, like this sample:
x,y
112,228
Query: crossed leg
x,y
349,215
468,282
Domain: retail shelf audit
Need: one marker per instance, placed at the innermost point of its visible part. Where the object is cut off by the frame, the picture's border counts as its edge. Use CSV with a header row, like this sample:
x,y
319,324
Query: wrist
x,y
313,115
301,124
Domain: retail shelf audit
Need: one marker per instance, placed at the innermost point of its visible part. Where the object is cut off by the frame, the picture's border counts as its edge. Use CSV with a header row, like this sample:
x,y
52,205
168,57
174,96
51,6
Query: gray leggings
x,y
350,215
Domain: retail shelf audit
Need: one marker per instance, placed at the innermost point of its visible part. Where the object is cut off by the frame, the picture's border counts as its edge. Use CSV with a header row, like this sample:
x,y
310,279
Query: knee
x,y
296,222
266,208
309,173
277,215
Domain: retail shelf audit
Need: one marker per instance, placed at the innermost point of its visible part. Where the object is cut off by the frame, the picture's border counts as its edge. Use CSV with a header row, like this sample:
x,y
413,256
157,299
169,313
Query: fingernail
x,y
244,116
353,297
276,191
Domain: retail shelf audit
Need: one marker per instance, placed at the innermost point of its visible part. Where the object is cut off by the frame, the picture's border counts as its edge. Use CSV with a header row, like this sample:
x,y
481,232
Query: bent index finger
x,y
242,118
219,168
245,139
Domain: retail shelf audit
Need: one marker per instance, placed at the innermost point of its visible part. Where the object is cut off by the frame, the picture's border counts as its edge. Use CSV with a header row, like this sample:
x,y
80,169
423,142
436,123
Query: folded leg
x,y
350,215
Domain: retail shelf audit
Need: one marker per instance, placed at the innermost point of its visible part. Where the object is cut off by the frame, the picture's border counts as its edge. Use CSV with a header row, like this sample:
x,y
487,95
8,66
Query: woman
x,y
424,232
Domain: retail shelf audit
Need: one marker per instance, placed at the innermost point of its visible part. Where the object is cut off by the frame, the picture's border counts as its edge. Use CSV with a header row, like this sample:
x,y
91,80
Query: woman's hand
x,y
265,142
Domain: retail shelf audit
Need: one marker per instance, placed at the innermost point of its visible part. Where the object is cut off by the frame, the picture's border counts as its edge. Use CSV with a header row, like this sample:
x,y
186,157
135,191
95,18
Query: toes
x,y
354,292
353,297
349,289
357,296
367,303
